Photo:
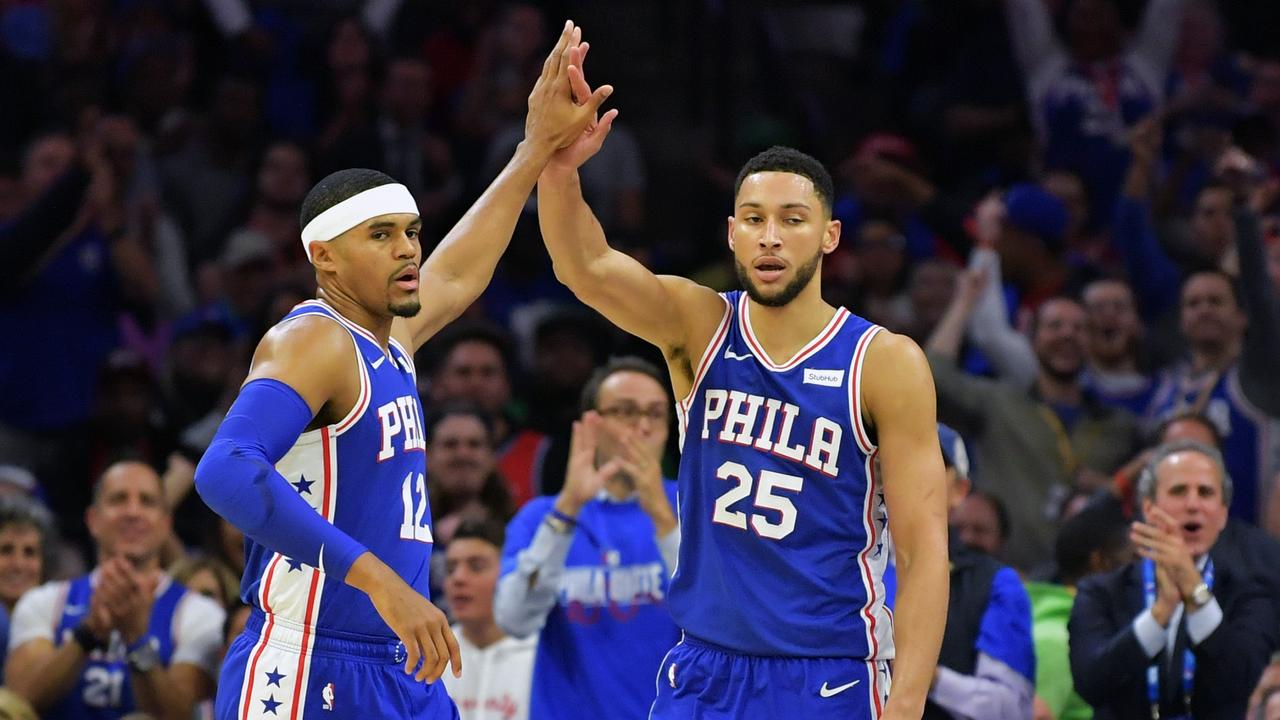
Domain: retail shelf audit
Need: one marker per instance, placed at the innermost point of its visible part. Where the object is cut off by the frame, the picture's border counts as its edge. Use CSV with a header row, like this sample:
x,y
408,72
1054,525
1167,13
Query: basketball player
x,y
807,437
321,459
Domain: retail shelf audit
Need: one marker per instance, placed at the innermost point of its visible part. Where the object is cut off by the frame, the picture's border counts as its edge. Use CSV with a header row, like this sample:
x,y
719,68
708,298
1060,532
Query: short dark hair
x,y
1236,293
780,158
443,344
443,411
1099,527
1188,415
1003,524
339,186
624,363
481,528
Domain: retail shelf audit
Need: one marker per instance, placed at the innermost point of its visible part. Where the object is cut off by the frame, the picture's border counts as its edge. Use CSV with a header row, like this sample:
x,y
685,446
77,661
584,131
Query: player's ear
x,y
831,237
730,233
322,256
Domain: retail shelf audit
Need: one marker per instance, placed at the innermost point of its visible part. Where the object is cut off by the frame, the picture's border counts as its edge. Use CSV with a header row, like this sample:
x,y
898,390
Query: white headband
x,y
381,200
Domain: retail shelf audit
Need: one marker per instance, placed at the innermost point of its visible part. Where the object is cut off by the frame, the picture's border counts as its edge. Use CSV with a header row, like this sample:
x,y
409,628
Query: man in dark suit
x,y
1182,632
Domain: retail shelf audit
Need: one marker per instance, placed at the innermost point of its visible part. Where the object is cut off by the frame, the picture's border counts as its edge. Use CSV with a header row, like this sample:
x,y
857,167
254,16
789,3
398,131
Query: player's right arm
x,y
675,314
303,375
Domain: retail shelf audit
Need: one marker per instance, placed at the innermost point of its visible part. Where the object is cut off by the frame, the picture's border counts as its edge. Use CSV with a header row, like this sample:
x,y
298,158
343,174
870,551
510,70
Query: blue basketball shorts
x,y
702,681
267,674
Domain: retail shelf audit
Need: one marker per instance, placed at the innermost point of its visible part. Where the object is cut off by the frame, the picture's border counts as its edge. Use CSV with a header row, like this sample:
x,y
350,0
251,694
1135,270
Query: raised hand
x,y
1160,541
643,470
582,479
128,596
591,139
554,117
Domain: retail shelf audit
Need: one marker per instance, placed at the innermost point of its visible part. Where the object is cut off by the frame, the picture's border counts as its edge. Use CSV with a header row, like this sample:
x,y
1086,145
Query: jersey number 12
x,y
415,508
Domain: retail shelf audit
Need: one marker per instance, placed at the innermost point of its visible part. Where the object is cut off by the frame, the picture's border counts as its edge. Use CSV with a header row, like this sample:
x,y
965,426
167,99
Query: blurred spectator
x,y
207,178
568,345
465,482
499,672
283,178
507,61
1183,631
202,360
1214,382
1031,446
473,363
930,290
1084,95
1264,703
75,644
27,548
588,569
879,254
209,577
1115,340
981,522
1095,540
987,663
78,267
127,419
401,144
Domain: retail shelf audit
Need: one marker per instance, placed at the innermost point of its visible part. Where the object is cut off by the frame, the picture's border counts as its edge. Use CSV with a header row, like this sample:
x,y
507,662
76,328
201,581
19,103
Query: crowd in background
x,y
1072,205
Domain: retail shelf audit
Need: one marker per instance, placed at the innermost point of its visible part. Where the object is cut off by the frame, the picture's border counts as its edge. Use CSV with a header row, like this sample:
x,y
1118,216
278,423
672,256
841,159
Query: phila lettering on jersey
x,y
782,514
365,474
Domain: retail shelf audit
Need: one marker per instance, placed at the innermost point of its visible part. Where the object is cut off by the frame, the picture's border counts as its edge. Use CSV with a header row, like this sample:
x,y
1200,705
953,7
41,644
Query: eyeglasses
x,y
631,414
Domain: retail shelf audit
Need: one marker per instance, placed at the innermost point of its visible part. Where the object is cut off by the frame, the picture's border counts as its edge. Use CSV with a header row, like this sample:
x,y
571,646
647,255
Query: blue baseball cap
x,y
953,450
1033,209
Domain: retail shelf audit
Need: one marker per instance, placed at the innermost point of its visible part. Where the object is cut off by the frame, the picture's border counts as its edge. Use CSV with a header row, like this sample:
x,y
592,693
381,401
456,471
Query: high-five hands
x,y
554,116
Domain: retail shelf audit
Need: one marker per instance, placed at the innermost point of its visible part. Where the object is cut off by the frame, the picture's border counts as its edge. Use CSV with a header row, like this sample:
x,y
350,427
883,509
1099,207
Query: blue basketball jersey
x,y
366,474
1249,438
784,530
103,690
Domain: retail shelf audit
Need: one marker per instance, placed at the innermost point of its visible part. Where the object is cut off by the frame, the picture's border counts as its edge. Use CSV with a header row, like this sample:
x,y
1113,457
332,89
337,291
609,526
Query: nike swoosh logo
x,y
378,363
731,355
827,692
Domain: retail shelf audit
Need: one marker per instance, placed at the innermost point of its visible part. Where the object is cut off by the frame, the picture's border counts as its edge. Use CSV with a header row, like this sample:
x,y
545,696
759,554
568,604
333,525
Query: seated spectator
x,y
987,663
981,522
464,478
588,570
499,667
1095,540
474,363
1183,632
209,577
125,637
27,546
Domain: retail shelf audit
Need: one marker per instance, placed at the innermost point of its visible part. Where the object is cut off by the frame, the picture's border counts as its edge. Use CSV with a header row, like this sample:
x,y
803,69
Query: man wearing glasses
x,y
588,569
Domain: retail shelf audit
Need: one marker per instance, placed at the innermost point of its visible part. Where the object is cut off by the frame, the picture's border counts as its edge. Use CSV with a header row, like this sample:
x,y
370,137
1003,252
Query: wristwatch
x,y
144,656
1201,596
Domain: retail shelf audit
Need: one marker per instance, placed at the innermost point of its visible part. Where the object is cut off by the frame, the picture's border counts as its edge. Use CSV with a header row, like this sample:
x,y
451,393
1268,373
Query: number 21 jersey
x,y
782,513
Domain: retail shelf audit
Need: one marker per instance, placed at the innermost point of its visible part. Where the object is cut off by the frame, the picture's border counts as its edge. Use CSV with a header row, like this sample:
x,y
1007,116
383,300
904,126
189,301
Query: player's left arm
x,y
899,400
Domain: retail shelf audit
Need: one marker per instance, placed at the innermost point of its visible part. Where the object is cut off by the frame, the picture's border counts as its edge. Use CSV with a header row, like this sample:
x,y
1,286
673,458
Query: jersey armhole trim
x,y
860,433
362,401
708,355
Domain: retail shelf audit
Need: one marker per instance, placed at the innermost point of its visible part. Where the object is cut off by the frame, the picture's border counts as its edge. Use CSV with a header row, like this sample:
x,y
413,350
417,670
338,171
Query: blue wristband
x,y
569,519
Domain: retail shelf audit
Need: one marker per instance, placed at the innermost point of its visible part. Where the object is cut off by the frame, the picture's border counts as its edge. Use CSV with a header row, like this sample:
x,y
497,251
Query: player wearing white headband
x,y
321,459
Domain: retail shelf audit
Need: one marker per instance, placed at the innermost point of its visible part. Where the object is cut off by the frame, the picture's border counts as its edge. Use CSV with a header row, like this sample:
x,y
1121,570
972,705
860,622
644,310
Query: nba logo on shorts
x,y
327,694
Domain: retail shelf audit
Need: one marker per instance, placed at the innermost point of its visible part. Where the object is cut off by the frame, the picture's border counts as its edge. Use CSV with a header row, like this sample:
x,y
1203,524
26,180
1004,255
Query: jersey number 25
x,y
766,497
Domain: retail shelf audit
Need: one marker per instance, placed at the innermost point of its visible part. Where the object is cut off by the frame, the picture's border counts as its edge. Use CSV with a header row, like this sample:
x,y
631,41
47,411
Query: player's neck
x,y
378,325
482,633
783,331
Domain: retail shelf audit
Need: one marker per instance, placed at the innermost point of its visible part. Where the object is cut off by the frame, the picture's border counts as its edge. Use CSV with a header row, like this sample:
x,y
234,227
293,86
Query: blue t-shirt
x,y
605,638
